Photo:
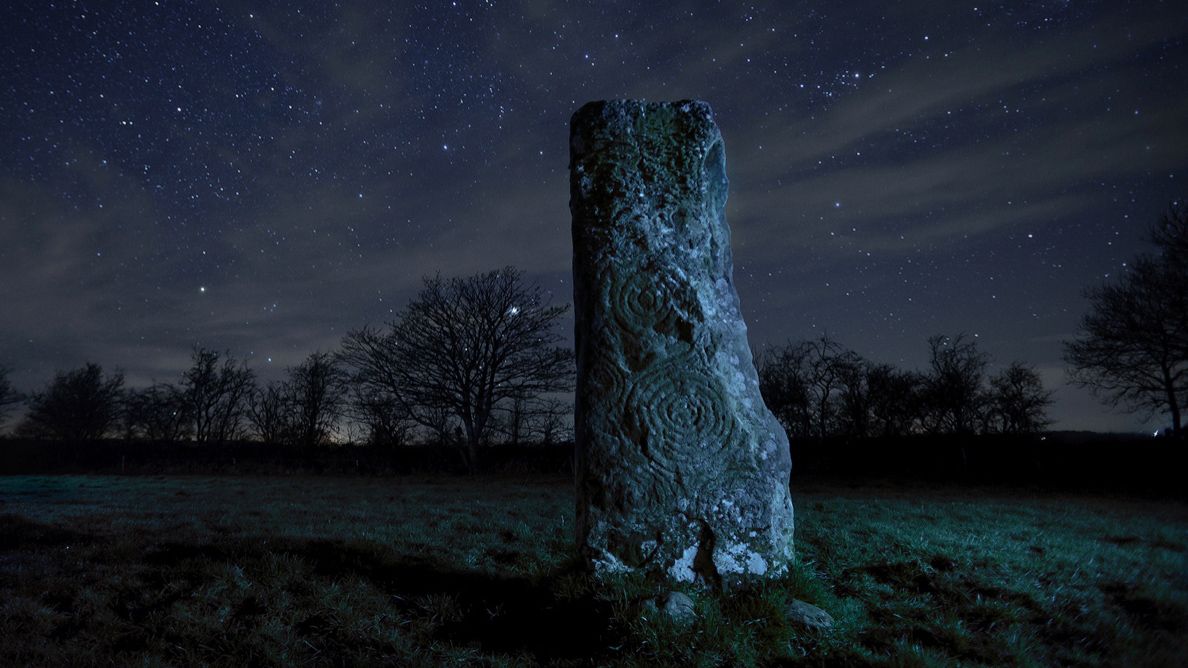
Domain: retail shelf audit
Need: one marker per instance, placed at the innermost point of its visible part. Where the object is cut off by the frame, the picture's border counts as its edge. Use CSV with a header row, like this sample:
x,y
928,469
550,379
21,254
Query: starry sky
x,y
264,177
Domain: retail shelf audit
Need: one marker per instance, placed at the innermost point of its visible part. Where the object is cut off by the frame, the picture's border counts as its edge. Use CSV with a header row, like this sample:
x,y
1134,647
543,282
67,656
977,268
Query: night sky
x,y
265,177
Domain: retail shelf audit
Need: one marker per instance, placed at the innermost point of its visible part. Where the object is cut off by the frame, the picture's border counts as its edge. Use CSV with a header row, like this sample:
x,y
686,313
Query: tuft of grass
x,y
324,571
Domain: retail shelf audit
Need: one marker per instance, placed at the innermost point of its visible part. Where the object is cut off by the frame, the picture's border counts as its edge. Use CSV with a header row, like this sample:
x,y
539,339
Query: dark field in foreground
x,y
196,570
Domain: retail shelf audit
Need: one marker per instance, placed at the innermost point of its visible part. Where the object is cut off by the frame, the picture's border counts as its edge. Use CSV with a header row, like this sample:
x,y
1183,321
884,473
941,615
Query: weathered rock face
x,y
682,470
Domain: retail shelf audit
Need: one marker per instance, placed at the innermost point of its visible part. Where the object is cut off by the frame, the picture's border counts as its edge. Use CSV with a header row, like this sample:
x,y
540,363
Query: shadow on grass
x,y
481,610
18,533
142,587
465,608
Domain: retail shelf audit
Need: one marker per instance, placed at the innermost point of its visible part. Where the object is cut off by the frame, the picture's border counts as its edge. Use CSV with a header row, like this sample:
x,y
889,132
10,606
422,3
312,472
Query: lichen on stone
x,y
675,447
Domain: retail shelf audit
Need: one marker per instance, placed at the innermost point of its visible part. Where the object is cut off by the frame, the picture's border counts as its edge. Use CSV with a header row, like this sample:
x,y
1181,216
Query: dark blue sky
x,y
267,176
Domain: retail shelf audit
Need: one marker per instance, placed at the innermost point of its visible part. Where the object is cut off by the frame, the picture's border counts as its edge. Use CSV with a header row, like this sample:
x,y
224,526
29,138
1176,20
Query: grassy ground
x,y
235,571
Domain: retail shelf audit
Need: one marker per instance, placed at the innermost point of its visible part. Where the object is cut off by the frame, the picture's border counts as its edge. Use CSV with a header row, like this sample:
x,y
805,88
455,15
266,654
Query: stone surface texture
x,y
808,615
682,470
679,607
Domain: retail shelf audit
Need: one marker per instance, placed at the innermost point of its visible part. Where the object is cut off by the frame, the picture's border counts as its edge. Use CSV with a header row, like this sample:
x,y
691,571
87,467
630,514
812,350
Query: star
x,y
176,143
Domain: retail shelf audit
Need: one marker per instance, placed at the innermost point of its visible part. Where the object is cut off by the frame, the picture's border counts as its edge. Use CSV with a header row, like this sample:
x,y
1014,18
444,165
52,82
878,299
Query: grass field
x,y
349,571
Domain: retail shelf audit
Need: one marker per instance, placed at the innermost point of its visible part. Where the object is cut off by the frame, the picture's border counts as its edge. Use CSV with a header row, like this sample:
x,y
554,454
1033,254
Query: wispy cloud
x,y
947,196
922,88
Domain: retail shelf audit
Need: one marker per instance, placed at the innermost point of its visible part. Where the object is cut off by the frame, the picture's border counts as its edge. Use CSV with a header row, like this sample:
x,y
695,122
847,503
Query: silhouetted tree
x,y
512,420
269,412
954,394
1170,234
1018,401
157,413
1132,347
385,419
548,423
79,405
318,391
854,399
805,385
829,365
9,397
216,390
466,346
783,382
895,399
538,419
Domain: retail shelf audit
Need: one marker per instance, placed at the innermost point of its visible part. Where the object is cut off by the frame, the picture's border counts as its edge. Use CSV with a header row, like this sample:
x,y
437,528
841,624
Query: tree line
x,y
474,360
820,389
469,361
1130,350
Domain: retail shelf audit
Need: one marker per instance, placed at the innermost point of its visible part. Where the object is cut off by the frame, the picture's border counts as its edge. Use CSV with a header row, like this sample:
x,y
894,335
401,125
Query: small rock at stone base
x,y
808,615
679,607
676,605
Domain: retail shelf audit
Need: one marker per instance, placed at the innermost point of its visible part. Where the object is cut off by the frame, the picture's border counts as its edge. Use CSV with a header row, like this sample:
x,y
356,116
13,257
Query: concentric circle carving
x,y
605,378
640,301
679,413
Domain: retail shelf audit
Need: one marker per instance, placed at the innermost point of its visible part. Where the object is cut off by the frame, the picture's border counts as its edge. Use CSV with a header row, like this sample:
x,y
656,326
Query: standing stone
x,y
682,471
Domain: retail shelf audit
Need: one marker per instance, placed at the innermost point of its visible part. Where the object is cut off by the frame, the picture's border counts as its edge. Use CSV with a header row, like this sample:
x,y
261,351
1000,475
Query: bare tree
x,y
1018,401
854,401
157,413
511,421
955,399
318,391
548,422
805,385
269,412
385,420
828,362
783,382
9,397
1132,347
539,419
438,422
216,390
79,405
895,399
467,346
1170,235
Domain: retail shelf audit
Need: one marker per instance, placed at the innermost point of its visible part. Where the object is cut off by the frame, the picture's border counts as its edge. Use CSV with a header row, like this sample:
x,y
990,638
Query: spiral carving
x,y
678,410
641,301
605,378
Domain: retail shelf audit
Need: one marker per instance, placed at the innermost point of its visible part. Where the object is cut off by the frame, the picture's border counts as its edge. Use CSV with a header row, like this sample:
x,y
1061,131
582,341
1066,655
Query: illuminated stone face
x,y
682,470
